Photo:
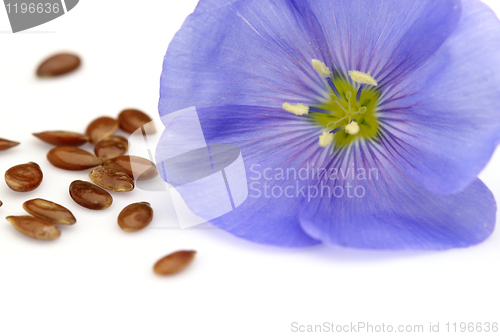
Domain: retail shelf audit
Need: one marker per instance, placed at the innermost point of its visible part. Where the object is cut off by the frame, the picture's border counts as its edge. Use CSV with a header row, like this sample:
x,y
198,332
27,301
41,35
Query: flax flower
x,y
387,106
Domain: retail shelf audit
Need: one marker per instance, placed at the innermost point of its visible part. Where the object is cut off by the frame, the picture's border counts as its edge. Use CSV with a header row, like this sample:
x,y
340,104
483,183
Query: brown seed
x,y
5,144
24,177
135,216
174,262
136,167
1,203
89,195
62,138
49,211
101,128
111,147
35,227
72,158
57,65
131,119
111,179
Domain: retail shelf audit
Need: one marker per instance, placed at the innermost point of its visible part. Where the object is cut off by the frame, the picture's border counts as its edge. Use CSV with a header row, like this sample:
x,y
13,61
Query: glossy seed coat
x,y
35,227
49,211
62,138
111,179
174,262
136,167
89,195
72,158
101,128
135,216
111,147
6,144
58,64
132,119
24,177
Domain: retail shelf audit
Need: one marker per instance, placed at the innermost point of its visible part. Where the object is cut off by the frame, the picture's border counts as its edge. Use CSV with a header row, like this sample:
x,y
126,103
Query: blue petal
x,y
378,208
387,39
441,123
247,53
259,52
269,139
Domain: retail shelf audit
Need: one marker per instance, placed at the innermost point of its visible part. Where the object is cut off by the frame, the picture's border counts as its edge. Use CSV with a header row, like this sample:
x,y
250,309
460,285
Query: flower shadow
x,y
326,253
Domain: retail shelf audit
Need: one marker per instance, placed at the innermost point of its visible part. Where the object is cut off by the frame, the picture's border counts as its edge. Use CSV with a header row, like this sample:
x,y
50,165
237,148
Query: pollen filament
x,y
362,78
299,109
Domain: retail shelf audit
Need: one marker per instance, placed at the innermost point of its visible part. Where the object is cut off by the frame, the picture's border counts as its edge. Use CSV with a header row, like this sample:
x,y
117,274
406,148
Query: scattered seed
x,y
135,216
57,65
72,158
101,128
35,227
62,138
111,179
24,177
1,203
131,119
174,262
49,211
111,147
136,167
5,144
89,195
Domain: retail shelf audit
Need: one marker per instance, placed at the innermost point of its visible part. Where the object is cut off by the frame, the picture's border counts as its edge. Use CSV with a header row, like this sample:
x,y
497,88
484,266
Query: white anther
x,y
321,68
362,78
352,128
325,139
299,109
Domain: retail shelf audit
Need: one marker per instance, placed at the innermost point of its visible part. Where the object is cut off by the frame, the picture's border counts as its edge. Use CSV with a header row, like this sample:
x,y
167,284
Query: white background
x,y
98,280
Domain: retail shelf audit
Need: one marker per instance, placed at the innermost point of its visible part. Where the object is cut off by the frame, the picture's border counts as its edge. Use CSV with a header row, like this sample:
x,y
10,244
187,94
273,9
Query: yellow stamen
x,y
325,139
362,78
299,109
321,68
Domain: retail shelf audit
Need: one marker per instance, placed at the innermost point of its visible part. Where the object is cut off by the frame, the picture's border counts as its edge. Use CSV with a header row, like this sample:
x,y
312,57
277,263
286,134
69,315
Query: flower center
x,y
350,112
